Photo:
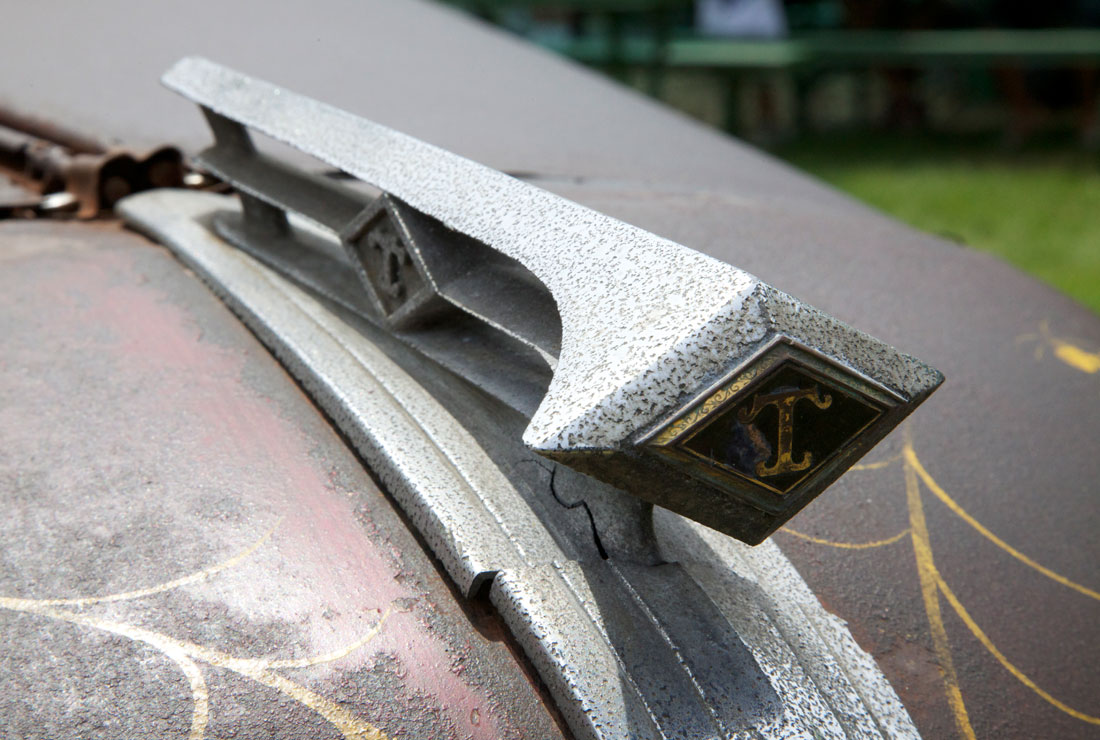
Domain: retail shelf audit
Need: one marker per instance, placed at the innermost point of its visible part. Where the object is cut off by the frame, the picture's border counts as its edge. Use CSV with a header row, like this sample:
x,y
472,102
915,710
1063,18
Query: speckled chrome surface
x,y
769,661
646,324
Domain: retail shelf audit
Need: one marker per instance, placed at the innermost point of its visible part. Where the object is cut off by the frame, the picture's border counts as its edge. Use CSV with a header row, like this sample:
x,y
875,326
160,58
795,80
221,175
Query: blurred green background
x,y
1038,208
975,121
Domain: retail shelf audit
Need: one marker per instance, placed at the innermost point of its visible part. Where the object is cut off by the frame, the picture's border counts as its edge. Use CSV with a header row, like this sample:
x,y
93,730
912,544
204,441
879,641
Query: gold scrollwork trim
x,y
712,402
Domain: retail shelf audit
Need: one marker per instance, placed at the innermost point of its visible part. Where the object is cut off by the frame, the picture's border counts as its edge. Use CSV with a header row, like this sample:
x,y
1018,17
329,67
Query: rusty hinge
x,y
59,173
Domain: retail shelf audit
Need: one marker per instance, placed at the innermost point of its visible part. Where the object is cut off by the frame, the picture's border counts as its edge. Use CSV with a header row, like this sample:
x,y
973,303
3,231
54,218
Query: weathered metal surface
x,y
189,549
988,494
1011,437
477,76
648,327
629,643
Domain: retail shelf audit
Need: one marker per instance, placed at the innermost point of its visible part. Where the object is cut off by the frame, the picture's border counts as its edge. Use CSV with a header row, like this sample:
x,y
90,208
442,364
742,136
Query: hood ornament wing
x,y
676,377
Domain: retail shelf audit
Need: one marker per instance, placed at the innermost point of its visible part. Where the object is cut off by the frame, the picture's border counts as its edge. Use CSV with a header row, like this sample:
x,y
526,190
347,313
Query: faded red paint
x,y
322,570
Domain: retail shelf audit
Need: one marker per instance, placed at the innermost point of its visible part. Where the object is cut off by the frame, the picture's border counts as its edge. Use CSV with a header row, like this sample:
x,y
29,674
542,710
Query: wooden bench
x,y
807,55
976,48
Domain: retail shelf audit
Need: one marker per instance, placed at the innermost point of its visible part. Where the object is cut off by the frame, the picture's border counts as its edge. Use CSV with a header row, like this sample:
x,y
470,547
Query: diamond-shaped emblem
x,y
388,265
386,258
774,428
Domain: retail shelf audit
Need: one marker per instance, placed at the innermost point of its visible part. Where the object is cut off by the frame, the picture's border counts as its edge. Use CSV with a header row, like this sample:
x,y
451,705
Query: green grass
x,y
1039,208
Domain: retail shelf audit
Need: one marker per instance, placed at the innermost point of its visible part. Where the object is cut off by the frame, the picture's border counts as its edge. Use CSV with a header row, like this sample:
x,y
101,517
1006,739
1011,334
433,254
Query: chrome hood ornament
x,y
480,341
654,368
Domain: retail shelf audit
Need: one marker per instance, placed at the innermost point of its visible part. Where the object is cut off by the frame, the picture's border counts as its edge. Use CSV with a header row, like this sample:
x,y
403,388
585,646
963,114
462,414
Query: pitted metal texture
x,y
610,280
715,641
646,324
